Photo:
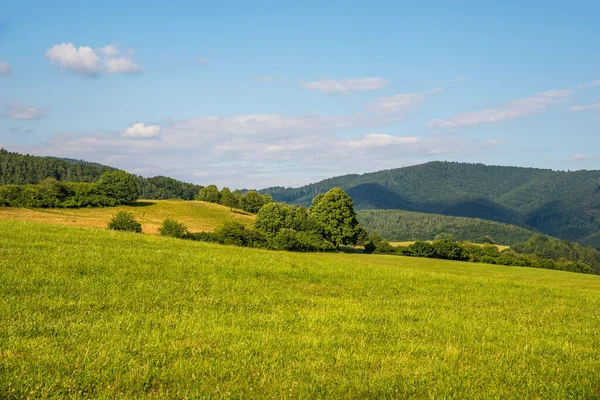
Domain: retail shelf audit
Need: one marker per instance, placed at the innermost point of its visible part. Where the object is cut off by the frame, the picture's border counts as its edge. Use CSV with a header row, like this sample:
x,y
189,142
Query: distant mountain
x,y
561,204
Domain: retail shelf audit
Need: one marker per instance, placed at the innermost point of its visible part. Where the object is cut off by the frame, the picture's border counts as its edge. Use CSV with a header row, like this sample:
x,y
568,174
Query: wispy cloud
x,y
595,107
510,110
397,104
257,149
90,62
588,85
579,157
202,61
5,68
346,86
21,112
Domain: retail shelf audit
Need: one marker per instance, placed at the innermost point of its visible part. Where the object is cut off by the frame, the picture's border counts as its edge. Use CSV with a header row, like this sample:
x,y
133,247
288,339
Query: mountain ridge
x,y
564,204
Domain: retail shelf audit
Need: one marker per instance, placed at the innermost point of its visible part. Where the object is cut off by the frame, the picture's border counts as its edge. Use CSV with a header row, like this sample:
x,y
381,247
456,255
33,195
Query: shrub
x,y
172,228
124,221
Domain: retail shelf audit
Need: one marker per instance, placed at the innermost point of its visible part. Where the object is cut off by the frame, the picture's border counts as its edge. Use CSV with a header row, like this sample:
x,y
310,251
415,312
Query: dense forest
x,y
557,203
18,169
398,225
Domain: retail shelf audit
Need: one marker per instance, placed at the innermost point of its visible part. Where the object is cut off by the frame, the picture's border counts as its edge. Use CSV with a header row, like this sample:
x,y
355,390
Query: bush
x,y
172,228
124,221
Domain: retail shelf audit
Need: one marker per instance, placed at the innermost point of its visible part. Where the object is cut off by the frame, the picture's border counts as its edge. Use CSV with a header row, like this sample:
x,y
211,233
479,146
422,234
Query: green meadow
x,y
88,313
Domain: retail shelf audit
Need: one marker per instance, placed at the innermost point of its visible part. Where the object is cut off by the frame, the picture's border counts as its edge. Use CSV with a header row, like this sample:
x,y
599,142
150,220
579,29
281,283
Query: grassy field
x,y
199,216
93,313
396,244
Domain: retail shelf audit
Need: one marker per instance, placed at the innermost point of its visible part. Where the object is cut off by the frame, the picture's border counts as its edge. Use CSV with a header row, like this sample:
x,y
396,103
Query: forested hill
x,y
560,204
22,169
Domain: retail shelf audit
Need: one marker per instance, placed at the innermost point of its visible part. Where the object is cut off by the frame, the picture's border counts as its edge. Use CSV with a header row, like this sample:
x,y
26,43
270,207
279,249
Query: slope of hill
x,y
561,204
199,216
98,314
399,225
22,169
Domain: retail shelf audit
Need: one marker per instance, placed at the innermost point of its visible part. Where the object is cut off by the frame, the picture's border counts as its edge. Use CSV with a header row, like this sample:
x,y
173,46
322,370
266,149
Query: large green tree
x,y
209,193
335,211
119,185
228,199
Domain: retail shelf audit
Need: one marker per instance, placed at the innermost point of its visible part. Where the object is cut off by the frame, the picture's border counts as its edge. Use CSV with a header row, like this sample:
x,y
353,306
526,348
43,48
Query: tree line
x,y
399,225
111,189
538,252
250,201
20,169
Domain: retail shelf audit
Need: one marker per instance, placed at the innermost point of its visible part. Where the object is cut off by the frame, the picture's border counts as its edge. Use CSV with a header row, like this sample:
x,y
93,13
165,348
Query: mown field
x,y
92,313
199,216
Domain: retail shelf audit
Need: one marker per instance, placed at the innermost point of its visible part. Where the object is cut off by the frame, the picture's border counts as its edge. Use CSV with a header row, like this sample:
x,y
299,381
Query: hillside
x,y
199,216
22,169
560,204
398,225
90,313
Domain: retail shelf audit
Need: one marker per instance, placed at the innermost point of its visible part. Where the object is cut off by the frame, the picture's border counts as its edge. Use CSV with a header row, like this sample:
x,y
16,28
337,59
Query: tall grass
x,y
89,313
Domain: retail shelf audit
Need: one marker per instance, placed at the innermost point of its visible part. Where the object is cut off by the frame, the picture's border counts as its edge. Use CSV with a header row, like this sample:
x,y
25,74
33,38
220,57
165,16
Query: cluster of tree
x,y
251,201
448,249
113,188
555,249
18,169
328,224
398,225
557,203
164,188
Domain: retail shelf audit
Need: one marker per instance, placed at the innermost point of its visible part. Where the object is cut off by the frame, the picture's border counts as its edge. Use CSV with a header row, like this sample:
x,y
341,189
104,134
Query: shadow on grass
x,y
351,250
241,212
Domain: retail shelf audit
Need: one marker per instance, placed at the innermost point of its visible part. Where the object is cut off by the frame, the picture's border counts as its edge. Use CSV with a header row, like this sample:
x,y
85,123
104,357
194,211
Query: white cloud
x,y
202,61
89,62
109,50
5,68
256,150
121,65
398,104
588,85
595,107
269,79
22,112
579,157
510,110
141,131
379,140
346,86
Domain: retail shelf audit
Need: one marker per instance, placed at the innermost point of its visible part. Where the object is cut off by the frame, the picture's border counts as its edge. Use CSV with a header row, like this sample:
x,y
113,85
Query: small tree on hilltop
x,y
335,210
209,193
228,199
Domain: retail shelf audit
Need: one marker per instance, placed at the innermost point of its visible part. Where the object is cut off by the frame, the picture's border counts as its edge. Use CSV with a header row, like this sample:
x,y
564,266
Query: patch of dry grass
x,y
199,216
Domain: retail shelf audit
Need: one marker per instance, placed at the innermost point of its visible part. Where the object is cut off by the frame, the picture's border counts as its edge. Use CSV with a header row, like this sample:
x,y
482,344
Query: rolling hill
x,y
89,313
557,203
399,225
198,216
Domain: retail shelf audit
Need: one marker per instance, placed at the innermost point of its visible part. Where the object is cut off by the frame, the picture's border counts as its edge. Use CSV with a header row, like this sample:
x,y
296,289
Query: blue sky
x,y
261,93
